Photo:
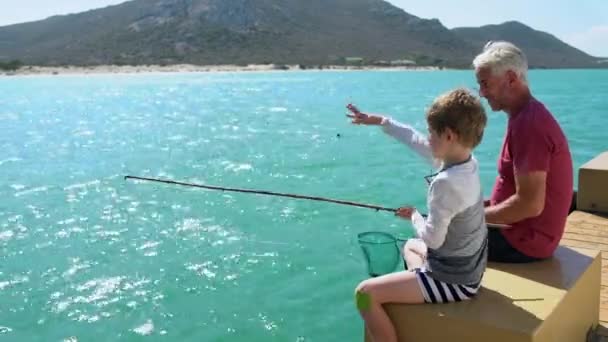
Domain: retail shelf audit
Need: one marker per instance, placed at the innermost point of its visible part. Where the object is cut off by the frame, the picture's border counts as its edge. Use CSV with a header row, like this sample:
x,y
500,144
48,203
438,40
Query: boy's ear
x,y
449,135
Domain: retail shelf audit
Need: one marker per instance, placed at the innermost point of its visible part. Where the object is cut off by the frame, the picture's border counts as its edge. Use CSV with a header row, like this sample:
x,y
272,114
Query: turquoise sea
x,y
86,256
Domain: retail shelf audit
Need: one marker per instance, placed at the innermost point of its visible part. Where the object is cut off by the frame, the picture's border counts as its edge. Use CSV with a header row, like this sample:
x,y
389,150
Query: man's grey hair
x,y
500,57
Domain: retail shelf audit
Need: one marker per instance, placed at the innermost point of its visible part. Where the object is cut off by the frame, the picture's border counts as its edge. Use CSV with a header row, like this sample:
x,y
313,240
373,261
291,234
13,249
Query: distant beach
x,y
184,68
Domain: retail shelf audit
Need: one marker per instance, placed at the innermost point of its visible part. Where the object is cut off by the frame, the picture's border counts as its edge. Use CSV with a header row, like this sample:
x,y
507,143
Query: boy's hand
x,y
405,212
359,118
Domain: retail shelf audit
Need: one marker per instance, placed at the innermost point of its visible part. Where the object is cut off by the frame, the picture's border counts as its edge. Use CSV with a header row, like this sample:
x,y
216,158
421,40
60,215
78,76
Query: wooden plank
x,y
603,314
604,272
590,221
604,302
584,244
585,216
585,237
597,225
587,230
587,221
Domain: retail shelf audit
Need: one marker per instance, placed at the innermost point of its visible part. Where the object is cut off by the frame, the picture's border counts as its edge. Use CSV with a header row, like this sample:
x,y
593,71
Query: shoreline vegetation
x,y
19,70
16,68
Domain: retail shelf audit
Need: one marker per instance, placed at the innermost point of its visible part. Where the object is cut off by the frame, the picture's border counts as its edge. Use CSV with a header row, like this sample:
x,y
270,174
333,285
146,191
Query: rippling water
x,y
87,256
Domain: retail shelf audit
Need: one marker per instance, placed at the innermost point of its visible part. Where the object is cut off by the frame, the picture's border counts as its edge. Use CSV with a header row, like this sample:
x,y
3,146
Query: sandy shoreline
x,y
187,68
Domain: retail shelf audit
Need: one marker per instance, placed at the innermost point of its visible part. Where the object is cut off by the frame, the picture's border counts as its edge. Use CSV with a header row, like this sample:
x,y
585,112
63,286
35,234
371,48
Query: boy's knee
x,y
362,287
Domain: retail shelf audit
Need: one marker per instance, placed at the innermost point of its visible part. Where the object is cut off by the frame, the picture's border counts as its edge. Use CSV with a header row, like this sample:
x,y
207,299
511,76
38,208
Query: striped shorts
x,y
435,291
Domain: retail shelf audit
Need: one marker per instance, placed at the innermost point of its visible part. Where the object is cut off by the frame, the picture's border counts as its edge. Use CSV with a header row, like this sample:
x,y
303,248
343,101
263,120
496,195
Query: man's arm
x,y
527,202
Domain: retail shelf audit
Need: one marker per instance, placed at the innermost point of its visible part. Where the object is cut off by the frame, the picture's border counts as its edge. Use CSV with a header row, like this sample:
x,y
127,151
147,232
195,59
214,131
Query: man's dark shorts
x,y
500,250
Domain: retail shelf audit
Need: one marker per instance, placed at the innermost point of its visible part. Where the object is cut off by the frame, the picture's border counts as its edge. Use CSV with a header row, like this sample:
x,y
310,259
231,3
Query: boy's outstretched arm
x,y
409,136
402,132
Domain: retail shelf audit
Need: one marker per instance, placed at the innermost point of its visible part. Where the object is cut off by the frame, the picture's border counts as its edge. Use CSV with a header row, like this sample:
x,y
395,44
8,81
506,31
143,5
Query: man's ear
x,y
512,77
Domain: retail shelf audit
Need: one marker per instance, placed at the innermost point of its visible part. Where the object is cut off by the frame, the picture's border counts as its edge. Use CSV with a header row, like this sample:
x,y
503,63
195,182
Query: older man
x,y
533,191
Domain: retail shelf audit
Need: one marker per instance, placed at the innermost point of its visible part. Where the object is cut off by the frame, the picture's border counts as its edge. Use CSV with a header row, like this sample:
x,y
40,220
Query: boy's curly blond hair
x,y
460,111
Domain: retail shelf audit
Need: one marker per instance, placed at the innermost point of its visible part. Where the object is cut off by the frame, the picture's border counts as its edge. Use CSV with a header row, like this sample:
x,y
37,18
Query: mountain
x,y
260,32
542,49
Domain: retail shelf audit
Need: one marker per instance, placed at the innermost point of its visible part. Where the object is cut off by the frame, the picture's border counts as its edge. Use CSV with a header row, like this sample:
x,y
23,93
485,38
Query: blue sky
x,y
583,23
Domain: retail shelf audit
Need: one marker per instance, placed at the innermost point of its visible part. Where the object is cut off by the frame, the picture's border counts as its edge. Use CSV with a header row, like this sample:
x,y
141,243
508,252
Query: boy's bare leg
x,y
399,287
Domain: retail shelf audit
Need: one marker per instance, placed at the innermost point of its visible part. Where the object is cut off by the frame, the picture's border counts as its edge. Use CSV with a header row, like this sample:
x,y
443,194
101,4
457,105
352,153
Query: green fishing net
x,y
381,252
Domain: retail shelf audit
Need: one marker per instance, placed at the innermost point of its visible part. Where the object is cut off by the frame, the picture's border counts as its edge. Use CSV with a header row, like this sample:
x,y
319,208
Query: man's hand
x,y
405,212
359,118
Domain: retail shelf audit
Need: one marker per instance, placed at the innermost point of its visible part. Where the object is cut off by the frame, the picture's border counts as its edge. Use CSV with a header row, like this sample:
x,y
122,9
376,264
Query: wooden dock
x,y
591,231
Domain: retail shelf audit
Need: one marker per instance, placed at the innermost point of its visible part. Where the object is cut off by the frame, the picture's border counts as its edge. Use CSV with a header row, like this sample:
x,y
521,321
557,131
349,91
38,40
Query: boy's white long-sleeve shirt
x,y
455,230
447,196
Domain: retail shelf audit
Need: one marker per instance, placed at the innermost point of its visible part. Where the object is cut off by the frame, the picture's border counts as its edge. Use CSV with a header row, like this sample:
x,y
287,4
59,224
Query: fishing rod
x,y
262,192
